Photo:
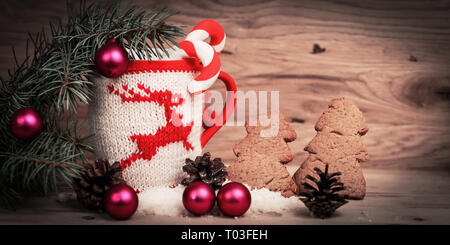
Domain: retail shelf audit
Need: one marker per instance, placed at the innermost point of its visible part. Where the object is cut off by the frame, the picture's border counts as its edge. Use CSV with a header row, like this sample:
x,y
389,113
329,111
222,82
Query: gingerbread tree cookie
x,y
338,143
260,159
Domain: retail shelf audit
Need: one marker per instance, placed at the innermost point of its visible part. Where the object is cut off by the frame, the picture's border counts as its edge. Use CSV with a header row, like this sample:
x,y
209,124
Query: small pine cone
x,y
98,177
323,209
203,169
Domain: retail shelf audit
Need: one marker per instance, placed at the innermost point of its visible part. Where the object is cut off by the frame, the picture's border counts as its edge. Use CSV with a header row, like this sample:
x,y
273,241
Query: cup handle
x,y
227,109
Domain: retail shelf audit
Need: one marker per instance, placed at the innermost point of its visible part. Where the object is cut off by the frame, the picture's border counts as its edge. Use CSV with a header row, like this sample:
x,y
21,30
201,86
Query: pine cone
x,y
203,169
98,177
323,209
323,201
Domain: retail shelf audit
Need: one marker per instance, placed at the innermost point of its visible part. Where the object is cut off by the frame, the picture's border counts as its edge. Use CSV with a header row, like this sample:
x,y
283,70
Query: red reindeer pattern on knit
x,y
148,144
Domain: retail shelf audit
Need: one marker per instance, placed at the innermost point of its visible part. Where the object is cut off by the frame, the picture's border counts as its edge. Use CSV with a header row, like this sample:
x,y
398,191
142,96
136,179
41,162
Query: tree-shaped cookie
x,y
260,159
338,143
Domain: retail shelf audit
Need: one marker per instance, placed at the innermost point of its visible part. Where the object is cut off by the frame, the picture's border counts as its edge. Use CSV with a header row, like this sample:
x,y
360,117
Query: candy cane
x,y
208,54
209,28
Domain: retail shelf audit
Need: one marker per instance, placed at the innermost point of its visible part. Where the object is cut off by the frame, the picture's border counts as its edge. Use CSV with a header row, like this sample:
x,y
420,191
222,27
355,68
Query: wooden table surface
x,y
393,197
368,48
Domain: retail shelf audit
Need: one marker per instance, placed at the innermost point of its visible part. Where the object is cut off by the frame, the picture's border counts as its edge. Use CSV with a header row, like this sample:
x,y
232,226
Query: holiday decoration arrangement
x,y
141,87
323,187
150,118
37,150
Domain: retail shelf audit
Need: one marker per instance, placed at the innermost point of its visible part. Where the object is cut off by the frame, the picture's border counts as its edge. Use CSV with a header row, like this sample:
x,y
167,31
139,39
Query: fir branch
x,y
136,30
53,80
38,162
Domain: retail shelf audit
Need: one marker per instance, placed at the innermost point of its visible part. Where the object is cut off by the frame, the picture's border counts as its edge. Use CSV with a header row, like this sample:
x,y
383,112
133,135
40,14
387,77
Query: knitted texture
x,y
134,120
150,118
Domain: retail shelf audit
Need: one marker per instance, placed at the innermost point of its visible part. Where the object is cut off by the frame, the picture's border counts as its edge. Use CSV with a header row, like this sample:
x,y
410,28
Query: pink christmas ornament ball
x,y
121,201
234,199
111,60
26,124
199,198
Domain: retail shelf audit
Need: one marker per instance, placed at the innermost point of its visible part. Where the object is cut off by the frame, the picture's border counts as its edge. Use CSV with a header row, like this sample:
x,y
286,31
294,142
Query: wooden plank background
x,y
269,43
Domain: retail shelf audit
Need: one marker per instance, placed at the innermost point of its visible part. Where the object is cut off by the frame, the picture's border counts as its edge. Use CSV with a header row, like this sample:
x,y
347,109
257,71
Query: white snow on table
x,y
167,201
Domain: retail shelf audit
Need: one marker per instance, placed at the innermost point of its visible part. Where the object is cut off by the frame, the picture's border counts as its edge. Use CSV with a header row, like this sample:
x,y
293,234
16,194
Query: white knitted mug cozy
x,y
150,118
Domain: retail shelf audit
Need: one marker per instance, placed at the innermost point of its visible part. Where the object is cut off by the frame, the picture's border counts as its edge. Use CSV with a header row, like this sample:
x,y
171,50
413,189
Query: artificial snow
x,y
162,201
265,201
167,201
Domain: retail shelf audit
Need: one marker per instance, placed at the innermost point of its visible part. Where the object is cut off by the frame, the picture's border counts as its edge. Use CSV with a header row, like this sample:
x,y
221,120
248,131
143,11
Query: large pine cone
x,y
323,198
98,177
203,169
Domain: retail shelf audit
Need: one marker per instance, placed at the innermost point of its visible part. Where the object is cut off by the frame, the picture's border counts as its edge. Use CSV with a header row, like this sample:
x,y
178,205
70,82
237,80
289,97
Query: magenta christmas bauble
x,y
26,124
234,199
111,60
199,198
121,201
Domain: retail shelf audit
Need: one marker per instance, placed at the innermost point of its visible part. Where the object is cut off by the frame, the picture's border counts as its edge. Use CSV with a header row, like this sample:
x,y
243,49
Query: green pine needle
x,y
52,79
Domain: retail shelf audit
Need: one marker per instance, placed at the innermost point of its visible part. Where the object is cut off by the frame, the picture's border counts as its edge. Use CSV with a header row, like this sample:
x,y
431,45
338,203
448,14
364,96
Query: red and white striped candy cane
x,y
208,54
209,29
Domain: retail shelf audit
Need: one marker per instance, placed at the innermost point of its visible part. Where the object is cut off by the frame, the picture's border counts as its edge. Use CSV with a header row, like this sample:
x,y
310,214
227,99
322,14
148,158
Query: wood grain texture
x,y
391,199
269,43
